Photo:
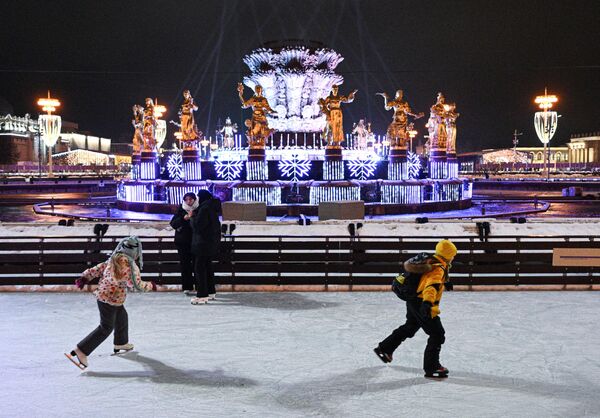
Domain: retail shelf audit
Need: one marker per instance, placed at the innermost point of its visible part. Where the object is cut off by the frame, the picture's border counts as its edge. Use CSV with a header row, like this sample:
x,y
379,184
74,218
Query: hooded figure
x,y
424,310
116,275
206,236
183,239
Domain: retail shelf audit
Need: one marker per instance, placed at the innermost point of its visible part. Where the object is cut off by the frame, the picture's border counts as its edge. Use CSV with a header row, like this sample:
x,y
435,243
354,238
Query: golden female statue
x,y
451,116
336,120
186,117
437,124
326,133
138,123
149,127
258,128
397,132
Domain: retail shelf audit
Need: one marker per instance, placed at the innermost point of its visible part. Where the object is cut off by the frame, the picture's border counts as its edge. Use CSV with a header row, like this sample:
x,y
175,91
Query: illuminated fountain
x,y
294,154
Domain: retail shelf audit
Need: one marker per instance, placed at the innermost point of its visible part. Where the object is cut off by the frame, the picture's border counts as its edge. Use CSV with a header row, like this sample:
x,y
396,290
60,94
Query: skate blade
x,y
121,352
79,365
439,377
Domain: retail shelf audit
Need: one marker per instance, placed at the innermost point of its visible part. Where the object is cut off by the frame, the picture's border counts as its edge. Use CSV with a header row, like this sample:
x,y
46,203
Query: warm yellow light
x,y
412,133
159,110
48,104
446,107
546,101
178,134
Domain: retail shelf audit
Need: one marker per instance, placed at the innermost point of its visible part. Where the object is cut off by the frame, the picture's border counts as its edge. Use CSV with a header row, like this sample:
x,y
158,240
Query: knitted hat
x,y
132,248
446,249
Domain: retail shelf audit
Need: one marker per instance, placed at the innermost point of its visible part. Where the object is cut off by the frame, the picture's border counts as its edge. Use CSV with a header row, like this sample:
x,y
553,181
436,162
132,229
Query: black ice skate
x,y
440,373
74,358
122,349
385,357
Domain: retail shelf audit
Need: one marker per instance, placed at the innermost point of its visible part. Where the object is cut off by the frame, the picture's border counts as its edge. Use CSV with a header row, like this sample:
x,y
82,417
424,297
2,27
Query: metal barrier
x,y
306,260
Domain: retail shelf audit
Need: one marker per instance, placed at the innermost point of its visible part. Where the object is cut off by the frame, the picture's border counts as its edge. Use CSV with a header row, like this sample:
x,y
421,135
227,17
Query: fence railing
x,y
305,260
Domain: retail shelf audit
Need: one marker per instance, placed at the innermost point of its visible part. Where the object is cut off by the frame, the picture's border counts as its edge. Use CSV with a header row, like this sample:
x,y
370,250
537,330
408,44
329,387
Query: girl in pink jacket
x,y
117,274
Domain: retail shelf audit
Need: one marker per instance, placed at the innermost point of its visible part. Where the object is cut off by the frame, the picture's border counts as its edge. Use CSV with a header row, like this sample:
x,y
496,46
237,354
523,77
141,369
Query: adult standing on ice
x,y
117,274
424,310
183,240
206,237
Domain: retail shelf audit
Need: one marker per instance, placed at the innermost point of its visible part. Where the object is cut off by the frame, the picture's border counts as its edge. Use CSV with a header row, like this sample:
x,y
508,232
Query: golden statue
x,y
451,116
138,124
397,132
332,104
189,131
437,124
258,128
326,133
149,126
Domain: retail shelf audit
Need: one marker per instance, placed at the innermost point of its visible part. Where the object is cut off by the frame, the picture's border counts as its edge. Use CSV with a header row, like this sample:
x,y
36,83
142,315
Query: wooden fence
x,y
308,260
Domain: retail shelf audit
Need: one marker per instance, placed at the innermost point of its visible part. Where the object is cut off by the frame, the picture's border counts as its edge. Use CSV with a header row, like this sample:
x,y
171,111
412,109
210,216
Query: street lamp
x,y
161,125
545,123
411,134
49,125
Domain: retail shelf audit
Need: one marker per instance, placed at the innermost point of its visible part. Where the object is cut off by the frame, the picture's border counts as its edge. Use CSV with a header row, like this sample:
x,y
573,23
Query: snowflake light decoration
x,y
294,168
414,165
362,169
229,170
175,166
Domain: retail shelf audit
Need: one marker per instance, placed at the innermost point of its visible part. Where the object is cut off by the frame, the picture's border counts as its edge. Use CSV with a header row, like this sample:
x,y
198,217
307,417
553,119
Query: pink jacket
x,y
111,289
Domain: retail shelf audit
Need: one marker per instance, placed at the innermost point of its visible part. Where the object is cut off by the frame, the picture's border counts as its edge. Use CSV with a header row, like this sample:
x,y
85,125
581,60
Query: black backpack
x,y
406,284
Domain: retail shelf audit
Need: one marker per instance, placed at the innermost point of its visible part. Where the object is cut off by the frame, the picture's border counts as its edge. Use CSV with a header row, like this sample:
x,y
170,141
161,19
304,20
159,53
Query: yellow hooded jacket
x,y
431,286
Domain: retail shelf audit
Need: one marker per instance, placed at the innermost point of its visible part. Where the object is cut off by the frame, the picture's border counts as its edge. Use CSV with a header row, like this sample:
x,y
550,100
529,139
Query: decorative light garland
x,y
229,170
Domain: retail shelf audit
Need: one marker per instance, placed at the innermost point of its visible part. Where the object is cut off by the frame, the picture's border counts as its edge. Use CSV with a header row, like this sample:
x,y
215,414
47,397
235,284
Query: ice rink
x,y
510,354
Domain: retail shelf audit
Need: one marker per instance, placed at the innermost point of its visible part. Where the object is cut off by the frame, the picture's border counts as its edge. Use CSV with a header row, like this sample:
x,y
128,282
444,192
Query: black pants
x,y
186,262
415,321
205,277
111,317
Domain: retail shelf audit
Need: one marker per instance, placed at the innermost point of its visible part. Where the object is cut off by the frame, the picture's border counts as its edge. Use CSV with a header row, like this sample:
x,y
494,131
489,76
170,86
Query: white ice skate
x,y
212,296
121,349
199,301
80,360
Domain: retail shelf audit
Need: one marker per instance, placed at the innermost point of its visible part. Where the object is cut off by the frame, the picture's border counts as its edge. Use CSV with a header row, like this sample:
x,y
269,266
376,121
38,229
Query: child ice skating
x,y
117,274
422,310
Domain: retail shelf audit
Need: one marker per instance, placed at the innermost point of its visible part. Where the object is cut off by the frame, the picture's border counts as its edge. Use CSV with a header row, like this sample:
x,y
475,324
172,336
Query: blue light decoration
x,y
362,169
229,170
294,168
175,166
414,165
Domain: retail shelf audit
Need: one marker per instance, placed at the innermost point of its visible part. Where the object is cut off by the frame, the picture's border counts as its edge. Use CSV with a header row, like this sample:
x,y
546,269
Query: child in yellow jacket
x,y
424,311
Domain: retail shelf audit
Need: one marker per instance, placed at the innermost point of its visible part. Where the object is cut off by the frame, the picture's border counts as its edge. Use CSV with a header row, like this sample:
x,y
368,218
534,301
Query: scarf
x,y
187,207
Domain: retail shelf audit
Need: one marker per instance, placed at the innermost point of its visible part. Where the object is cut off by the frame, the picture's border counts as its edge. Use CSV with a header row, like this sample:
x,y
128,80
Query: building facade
x,y
585,148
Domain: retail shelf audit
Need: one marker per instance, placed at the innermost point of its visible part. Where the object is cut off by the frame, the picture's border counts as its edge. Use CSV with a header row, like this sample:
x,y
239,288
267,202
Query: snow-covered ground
x,y
525,354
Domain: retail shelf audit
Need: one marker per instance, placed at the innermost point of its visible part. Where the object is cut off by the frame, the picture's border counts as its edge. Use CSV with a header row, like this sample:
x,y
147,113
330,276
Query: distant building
x,y
585,148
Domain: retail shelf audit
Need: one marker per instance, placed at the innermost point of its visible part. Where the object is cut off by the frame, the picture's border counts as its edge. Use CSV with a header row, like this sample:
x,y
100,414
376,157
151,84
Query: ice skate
x,y
440,373
212,296
121,349
80,360
199,301
385,357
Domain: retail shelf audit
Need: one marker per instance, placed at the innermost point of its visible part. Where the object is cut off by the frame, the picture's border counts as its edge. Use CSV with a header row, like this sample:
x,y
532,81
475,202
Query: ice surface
x,y
510,354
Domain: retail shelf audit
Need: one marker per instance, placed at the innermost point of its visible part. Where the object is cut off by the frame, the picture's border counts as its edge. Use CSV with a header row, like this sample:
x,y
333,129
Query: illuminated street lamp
x,y
412,133
545,123
161,125
49,125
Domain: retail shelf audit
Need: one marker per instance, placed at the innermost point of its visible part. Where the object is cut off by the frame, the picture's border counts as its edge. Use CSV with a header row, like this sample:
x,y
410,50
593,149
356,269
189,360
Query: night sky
x,y
491,58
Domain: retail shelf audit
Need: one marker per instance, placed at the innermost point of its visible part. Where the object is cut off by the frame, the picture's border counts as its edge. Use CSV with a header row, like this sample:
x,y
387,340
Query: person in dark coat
x,y
206,236
183,240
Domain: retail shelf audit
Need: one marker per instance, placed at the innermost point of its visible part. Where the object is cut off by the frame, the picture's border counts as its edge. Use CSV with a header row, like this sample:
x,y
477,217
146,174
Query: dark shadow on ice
x,y
315,394
158,372
285,301
585,392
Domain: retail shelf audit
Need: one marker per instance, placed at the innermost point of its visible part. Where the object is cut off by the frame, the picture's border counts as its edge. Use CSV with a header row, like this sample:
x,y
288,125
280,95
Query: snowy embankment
x,y
370,228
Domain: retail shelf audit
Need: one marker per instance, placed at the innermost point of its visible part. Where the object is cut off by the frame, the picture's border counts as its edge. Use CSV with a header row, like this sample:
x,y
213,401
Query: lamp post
x,y
49,125
412,133
161,125
545,123
515,142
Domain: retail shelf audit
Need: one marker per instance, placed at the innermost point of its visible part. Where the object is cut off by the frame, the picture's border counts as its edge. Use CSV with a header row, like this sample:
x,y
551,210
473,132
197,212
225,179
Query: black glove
x,y
449,286
425,309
